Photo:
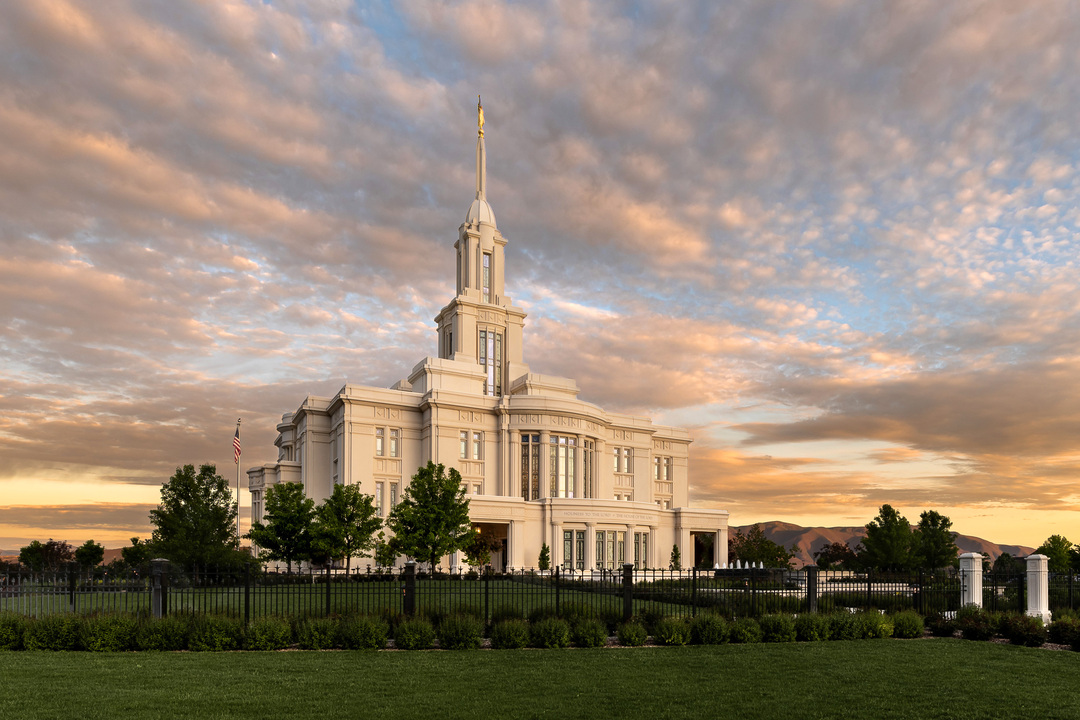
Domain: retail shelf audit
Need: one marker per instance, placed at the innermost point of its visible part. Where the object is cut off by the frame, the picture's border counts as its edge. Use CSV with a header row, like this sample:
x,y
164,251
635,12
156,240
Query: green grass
x,y
861,679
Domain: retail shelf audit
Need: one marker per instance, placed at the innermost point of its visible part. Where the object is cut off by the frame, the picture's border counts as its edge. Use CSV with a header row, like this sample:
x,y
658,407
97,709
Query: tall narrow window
x,y
587,468
393,495
395,447
563,450
599,548
379,498
463,440
477,444
530,467
490,354
579,550
568,549
380,441
487,277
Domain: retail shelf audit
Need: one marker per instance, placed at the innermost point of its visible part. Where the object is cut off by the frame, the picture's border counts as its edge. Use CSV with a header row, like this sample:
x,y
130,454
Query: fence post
x,y
1038,595
487,591
693,592
327,588
920,606
811,589
628,591
409,588
971,591
247,594
73,580
558,609
158,591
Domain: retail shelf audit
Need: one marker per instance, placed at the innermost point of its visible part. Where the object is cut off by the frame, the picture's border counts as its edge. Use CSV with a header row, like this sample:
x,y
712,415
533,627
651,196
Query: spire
x,y
481,154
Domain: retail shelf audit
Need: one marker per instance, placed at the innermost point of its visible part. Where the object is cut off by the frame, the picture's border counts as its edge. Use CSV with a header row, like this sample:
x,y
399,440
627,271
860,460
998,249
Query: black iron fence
x,y
251,593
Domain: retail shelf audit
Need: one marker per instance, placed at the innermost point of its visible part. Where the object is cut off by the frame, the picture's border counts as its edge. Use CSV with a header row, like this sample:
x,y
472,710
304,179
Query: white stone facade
x,y
540,465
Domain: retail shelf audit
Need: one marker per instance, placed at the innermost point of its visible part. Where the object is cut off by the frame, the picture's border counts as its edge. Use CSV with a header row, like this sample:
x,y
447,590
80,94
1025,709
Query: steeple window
x,y
490,354
487,277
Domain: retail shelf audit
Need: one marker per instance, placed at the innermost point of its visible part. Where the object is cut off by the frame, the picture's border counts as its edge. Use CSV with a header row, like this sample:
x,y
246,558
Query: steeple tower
x,y
481,324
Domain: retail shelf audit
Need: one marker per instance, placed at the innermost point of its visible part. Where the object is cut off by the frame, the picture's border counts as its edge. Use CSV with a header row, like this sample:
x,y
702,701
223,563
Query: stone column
x,y
628,557
556,545
1038,587
590,546
971,579
579,464
651,560
513,483
545,464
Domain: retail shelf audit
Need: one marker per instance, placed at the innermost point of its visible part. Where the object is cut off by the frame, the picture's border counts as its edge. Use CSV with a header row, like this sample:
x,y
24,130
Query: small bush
x,y
650,618
573,612
544,612
216,633
1023,630
908,624
974,623
506,612
842,626
745,630
941,626
269,633
460,632
611,617
317,634
510,634
1064,631
363,633
777,628
709,629
169,633
54,632
811,627
414,634
632,634
872,625
672,631
109,633
589,633
549,633
12,628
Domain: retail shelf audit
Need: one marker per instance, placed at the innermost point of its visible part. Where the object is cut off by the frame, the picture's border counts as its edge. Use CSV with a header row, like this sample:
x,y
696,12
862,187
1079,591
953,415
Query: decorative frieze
x,y
661,445
387,413
622,434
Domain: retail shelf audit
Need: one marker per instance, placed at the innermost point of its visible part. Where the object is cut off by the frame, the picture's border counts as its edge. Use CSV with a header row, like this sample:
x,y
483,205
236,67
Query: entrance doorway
x,y
496,538
704,550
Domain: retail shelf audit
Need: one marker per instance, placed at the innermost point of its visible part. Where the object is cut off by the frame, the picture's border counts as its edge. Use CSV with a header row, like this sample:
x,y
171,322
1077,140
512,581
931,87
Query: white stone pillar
x,y
590,547
556,545
971,592
545,464
720,549
1038,587
628,547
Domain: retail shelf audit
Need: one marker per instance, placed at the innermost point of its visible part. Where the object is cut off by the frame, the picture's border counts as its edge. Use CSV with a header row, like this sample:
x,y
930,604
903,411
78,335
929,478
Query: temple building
x,y
540,465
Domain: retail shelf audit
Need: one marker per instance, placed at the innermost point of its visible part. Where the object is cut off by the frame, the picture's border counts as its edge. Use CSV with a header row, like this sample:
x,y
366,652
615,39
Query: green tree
x,y
754,548
1006,564
835,556
887,545
286,534
138,555
432,518
195,522
51,555
385,553
89,554
544,561
478,553
1058,550
933,542
675,563
345,524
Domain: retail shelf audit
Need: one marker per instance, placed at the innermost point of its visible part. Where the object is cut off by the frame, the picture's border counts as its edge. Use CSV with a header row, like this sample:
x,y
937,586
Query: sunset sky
x,y
837,240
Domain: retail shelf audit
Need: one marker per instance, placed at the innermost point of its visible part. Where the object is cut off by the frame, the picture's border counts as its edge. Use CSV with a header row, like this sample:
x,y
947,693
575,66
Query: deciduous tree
x,y
754,548
835,556
1058,550
887,545
89,554
195,523
345,524
933,541
432,518
46,556
286,533
138,555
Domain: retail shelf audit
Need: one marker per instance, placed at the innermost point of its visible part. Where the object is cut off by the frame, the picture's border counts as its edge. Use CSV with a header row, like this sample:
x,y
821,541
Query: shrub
x,y
414,634
54,632
510,634
1064,631
269,633
611,617
672,631
745,630
872,624
632,634
363,633
317,634
572,612
650,618
842,626
109,633
543,612
549,633
216,633
777,628
12,628
709,629
811,627
460,632
589,633
974,623
941,626
1023,629
908,624
506,612
169,633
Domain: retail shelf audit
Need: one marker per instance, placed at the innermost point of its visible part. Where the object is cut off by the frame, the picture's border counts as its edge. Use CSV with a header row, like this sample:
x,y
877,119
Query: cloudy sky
x,y
837,240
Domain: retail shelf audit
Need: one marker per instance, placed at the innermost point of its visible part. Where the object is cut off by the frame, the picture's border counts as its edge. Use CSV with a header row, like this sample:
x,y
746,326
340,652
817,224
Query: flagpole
x,y
236,453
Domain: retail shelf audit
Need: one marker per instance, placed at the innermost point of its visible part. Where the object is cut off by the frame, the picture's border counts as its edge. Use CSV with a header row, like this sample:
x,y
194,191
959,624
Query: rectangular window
x,y
395,447
379,498
393,495
568,549
668,475
563,461
587,468
487,277
530,467
610,557
477,444
380,441
579,550
599,548
490,355
624,459
463,441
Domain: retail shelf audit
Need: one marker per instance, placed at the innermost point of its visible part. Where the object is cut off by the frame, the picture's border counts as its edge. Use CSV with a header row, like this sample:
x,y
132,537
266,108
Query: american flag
x,y
236,446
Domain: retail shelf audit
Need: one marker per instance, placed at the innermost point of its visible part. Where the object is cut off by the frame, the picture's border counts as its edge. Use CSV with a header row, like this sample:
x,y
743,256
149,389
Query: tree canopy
x,y
286,534
195,523
754,548
1059,553
432,518
835,556
933,542
51,555
89,554
345,524
138,554
887,545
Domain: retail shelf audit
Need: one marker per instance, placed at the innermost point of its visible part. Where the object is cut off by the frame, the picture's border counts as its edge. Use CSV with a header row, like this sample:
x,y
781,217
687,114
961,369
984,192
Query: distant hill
x,y
810,540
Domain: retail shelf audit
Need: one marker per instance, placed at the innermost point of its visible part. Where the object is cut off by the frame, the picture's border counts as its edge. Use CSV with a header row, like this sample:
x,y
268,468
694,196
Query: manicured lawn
x,y
861,679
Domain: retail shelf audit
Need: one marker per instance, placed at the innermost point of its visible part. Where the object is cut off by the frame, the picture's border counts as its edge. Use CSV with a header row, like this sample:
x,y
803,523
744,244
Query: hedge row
x,y
975,623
